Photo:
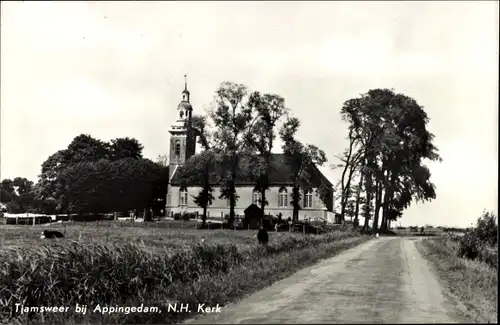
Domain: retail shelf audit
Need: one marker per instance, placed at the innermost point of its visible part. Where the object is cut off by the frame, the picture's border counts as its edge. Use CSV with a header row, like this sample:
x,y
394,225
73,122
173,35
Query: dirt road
x,y
384,280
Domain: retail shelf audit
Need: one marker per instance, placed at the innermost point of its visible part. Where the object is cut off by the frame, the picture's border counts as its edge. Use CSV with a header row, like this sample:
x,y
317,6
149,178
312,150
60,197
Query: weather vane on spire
x,y
185,82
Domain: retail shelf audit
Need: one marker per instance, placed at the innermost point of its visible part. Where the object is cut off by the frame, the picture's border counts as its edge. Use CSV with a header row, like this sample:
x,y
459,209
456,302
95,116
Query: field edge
x,y
457,277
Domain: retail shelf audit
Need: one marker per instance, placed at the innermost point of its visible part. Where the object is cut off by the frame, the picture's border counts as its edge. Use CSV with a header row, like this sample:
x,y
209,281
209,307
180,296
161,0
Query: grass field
x,y
473,285
126,266
144,234
426,233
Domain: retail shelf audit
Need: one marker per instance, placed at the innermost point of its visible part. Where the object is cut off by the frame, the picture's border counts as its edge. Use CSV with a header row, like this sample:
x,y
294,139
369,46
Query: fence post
x,y
97,223
303,229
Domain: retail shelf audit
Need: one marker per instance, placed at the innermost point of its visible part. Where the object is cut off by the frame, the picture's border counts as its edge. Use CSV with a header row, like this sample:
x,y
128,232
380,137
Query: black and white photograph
x,y
249,162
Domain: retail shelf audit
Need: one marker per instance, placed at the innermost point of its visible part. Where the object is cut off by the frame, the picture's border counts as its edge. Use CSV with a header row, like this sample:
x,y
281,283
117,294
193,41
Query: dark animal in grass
x,y
49,234
263,236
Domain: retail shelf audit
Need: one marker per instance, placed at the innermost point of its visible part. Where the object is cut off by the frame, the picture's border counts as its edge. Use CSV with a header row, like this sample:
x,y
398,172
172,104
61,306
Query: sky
x,y
116,69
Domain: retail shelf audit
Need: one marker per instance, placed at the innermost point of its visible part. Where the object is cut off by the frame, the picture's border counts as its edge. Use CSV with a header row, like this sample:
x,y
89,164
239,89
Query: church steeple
x,y
183,137
185,92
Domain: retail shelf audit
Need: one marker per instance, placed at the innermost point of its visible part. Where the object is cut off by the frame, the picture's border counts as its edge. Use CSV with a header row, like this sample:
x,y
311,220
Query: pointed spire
x,y
185,92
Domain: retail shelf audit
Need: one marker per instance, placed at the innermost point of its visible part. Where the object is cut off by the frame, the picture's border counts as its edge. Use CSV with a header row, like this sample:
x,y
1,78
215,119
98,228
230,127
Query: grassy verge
x,y
118,274
472,284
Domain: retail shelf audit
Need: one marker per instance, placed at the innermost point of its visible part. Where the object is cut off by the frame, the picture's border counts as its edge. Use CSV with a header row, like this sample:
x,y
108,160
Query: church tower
x,y
182,135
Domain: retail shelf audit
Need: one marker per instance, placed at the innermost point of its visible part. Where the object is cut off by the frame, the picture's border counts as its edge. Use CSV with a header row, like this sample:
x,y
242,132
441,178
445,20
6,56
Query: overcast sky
x,y
115,69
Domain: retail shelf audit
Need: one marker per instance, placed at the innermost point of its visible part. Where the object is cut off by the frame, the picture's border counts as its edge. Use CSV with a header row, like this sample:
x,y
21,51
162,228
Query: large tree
x,y
350,161
232,118
270,108
56,192
103,186
301,158
18,195
200,168
393,144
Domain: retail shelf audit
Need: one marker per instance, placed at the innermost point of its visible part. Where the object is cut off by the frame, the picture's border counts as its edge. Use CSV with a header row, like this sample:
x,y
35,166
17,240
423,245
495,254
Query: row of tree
x,y
91,176
383,168
238,137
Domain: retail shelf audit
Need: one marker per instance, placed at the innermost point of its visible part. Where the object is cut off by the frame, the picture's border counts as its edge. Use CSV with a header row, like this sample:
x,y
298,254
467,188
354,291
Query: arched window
x,y
308,198
256,197
183,196
283,197
177,148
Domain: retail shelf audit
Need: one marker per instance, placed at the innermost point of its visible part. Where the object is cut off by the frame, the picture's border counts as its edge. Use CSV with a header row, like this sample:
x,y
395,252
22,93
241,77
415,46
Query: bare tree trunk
x,y
296,199
147,215
387,198
204,217
378,199
369,195
346,192
232,204
263,205
358,199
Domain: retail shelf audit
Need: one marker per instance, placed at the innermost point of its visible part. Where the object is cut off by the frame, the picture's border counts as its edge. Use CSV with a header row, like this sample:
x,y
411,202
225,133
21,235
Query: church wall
x,y
220,207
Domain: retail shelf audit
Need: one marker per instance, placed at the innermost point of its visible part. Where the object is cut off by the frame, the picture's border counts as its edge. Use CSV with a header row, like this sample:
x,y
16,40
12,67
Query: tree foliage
x,y
232,118
302,158
200,168
91,176
270,109
387,131
18,195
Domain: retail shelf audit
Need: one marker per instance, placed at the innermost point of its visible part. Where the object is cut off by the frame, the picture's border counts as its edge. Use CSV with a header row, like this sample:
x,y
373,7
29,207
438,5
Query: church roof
x,y
185,105
280,174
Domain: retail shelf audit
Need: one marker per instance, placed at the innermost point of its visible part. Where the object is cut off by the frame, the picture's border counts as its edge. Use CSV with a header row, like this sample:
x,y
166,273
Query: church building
x,y
181,199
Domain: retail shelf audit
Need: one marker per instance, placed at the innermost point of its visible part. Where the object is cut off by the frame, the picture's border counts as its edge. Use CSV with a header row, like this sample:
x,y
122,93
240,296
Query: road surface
x,y
384,280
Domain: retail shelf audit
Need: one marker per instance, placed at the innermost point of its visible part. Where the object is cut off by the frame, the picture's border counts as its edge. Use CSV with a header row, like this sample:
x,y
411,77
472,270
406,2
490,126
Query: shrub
x,y
469,246
188,216
478,242
486,229
177,216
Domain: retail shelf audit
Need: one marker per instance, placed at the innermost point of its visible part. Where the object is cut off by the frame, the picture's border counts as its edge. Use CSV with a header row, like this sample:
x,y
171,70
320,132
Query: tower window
x,y
177,148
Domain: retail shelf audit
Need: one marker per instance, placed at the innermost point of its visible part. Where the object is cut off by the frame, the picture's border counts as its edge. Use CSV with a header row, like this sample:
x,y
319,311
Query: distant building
x,y
180,199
